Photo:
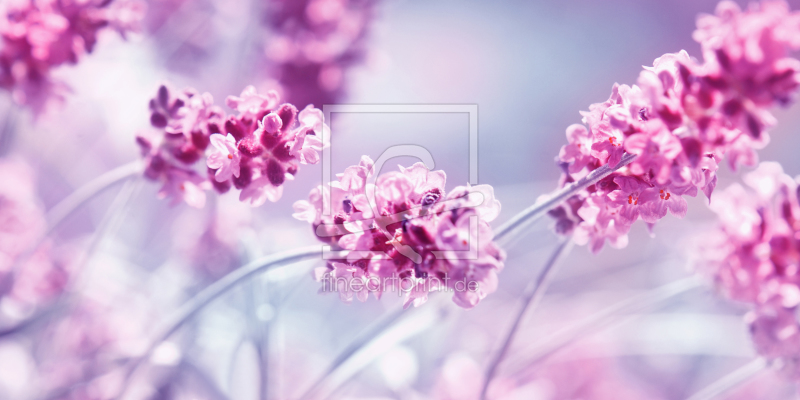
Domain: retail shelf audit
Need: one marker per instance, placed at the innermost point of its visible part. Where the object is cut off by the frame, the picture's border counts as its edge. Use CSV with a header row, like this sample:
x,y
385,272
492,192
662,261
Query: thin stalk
x,y
530,299
362,340
9,128
534,212
56,215
732,380
213,291
106,228
404,328
66,207
605,317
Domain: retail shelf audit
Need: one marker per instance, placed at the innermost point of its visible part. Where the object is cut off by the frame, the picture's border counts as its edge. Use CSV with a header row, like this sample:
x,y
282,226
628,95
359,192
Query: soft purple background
x,y
530,67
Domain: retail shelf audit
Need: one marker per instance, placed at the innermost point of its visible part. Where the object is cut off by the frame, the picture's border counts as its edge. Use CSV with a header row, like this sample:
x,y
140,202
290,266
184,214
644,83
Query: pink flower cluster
x,y
314,42
755,258
256,150
681,120
404,233
26,280
38,35
80,357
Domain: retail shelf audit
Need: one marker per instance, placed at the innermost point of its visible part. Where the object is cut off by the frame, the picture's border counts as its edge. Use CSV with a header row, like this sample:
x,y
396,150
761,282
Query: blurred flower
x,y
38,35
313,43
681,120
27,280
582,378
80,357
405,233
260,149
754,257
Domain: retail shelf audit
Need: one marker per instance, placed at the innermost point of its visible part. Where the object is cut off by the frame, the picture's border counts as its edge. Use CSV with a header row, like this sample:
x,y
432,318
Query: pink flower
x,y
38,36
184,185
406,233
260,190
313,43
657,148
754,258
224,158
680,121
261,148
578,152
251,103
29,280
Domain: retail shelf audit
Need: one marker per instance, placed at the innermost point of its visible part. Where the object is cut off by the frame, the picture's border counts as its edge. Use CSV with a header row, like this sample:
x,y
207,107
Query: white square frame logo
x,y
327,177
471,109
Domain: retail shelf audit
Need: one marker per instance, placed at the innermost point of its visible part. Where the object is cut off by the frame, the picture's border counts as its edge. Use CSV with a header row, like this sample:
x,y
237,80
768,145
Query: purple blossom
x,y
406,233
184,185
224,158
256,150
312,43
681,120
27,281
753,258
40,35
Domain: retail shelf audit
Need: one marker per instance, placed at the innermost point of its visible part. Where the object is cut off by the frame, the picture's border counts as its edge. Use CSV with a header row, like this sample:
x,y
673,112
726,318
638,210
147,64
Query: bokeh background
x,y
530,66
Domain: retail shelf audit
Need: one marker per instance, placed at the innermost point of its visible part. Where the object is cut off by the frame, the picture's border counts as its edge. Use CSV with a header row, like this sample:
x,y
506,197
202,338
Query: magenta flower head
x,y
404,233
314,42
271,141
255,151
754,258
185,121
680,121
42,34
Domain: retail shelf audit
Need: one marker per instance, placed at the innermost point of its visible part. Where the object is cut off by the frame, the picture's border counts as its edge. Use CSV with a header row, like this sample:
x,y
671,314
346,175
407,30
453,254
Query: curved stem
x,y
66,207
732,380
354,346
533,294
534,212
605,317
62,210
213,291
374,346
9,128
58,213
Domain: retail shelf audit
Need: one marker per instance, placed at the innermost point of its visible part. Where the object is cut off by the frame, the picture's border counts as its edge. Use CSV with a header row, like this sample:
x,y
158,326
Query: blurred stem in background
x,y
530,299
732,380
258,329
212,292
65,208
380,342
9,128
605,319
109,224
360,342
